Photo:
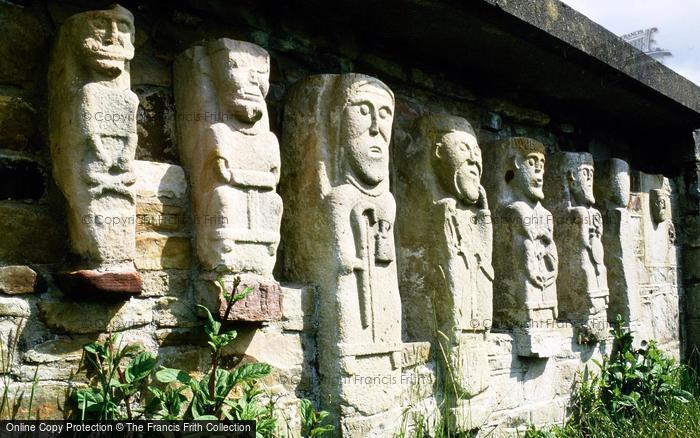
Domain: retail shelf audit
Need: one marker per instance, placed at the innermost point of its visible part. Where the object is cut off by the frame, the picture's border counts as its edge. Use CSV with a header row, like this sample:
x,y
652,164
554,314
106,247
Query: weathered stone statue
x,y
445,235
339,231
612,191
659,284
92,124
232,160
582,281
525,255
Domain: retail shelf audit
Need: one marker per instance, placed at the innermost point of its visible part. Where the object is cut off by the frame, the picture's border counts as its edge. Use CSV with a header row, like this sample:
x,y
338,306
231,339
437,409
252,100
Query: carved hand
x,y
223,170
253,178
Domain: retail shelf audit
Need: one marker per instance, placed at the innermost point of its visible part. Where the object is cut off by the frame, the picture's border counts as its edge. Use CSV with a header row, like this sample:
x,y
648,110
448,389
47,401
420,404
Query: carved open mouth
x,y
116,55
251,97
375,150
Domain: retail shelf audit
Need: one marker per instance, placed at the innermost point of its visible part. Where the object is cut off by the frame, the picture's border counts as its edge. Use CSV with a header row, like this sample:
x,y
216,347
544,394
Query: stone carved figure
x,y
660,206
232,159
92,121
582,281
658,281
337,130
612,193
445,237
525,257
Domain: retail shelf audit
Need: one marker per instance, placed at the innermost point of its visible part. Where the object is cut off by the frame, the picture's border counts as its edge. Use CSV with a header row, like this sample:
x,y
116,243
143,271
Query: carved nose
x,y
111,36
373,128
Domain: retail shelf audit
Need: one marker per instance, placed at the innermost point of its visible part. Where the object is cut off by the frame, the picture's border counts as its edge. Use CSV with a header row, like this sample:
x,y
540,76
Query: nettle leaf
x,y
130,350
140,367
94,348
227,338
169,375
242,295
212,326
250,371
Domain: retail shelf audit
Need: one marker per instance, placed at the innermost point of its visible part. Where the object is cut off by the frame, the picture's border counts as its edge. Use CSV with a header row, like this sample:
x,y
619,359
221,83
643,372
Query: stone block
x,y
157,216
539,382
378,425
20,223
91,284
548,412
299,307
175,312
507,391
191,359
17,125
170,337
15,280
74,317
418,383
175,283
24,48
281,350
415,353
159,251
51,400
63,349
538,342
264,303
14,306
160,181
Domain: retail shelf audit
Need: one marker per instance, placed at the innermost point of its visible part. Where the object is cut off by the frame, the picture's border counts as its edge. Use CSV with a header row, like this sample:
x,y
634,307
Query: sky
x,y
678,22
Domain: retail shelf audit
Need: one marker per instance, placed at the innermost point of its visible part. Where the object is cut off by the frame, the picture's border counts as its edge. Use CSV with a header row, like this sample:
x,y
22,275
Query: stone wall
x,y
45,327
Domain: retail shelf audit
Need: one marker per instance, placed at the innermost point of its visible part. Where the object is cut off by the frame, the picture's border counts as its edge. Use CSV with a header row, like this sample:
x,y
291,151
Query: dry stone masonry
x,y
452,243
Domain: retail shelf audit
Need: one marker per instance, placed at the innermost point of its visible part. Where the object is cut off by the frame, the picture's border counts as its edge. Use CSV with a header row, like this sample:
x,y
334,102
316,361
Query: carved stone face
x,y
581,185
243,82
106,41
365,132
458,165
660,205
529,176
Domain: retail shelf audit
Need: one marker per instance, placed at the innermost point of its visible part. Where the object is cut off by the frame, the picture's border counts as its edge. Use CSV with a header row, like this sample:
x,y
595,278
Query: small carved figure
x,y
526,266
612,192
582,281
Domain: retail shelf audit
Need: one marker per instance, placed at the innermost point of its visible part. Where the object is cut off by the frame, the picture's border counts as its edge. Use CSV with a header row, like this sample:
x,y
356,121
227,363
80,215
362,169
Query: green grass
x,y
634,393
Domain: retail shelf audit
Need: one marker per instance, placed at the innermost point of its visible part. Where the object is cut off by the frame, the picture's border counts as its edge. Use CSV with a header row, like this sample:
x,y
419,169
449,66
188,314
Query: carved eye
x,y
531,162
124,26
364,109
384,113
